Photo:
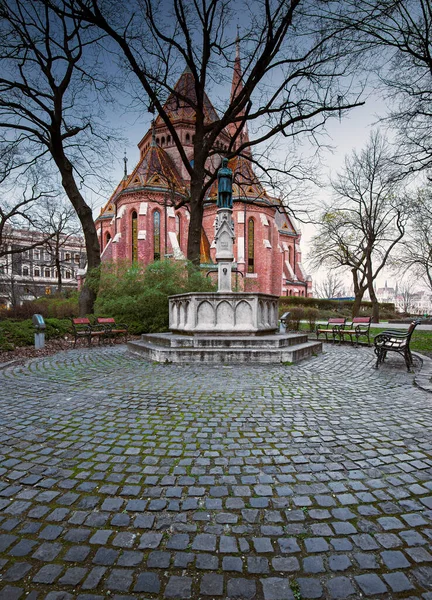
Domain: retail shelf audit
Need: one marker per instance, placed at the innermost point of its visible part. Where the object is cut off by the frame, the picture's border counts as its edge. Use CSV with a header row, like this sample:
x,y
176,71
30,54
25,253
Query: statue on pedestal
x,y
225,181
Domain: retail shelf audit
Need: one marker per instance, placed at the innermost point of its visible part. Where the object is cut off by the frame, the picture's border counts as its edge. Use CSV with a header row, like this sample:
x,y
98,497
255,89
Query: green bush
x,y
335,308
311,315
138,295
14,333
297,314
57,307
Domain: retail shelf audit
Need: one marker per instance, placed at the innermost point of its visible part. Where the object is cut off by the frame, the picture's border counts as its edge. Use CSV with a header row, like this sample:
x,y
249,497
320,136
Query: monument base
x,y
226,313
217,349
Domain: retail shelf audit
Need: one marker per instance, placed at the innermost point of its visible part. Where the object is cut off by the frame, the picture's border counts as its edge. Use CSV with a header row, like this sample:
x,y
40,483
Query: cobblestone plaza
x,y
126,479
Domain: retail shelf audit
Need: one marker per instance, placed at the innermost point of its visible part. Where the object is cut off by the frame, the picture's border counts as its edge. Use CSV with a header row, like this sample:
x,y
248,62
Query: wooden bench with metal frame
x,y
82,328
359,327
113,329
334,326
394,340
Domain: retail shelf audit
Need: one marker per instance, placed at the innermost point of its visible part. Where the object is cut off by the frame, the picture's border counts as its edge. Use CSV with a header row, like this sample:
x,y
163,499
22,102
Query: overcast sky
x,y
348,134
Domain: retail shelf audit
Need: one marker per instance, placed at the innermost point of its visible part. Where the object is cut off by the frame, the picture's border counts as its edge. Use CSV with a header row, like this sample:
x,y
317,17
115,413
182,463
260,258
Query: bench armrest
x,y
81,327
385,338
362,328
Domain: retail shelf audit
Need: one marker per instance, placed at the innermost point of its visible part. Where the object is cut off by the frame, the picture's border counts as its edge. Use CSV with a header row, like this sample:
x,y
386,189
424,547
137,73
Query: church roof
x,y
155,169
245,182
238,129
179,109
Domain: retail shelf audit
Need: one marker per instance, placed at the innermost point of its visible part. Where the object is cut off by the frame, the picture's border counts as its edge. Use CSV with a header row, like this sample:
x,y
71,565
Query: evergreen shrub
x,y
138,295
14,332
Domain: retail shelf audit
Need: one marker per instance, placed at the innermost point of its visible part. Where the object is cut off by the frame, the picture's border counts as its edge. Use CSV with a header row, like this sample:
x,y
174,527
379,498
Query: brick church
x,y
140,222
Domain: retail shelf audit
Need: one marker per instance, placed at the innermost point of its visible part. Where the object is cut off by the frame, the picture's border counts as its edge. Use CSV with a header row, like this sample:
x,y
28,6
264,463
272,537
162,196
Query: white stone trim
x,y
264,219
108,244
143,208
266,243
178,254
170,211
240,250
240,217
121,212
290,270
117,237
302,271
142,234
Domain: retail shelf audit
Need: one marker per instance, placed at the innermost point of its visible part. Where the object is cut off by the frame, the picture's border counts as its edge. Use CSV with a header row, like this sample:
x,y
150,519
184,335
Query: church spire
x,y
236,88
125,160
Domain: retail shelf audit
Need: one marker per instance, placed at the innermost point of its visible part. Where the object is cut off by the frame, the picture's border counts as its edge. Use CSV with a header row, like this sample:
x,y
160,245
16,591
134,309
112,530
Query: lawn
x,y
421,340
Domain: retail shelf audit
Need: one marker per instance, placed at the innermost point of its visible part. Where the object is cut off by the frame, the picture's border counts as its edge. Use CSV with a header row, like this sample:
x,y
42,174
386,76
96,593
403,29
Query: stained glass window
x,y
134,237
178,229
156,235
251,246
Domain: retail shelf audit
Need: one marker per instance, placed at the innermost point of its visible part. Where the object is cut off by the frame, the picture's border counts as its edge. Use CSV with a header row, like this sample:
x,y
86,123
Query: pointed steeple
x,y
236,88
153,142
125,160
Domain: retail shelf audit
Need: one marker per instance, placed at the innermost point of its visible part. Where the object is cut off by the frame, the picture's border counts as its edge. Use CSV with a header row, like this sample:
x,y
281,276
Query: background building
x,y
34,272
406,299
140,222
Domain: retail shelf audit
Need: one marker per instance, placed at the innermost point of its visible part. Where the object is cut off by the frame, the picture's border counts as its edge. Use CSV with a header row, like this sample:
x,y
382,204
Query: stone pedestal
x,y
223,313
224,327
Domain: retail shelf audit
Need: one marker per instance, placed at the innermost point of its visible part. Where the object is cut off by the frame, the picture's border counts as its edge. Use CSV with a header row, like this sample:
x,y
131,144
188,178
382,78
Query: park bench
x,y
359,327
393,340
83,329
333,327
113,329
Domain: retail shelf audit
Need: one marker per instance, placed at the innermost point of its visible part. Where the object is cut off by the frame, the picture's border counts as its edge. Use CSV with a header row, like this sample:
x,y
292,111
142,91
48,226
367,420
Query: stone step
x,y
170,340
152,351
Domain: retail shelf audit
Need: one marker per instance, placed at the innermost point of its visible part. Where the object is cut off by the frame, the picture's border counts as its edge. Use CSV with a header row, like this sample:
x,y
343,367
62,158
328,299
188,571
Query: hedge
x,y
326,304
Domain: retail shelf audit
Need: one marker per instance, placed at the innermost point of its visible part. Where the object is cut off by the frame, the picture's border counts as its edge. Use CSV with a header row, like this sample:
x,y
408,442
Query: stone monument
x,y
224,326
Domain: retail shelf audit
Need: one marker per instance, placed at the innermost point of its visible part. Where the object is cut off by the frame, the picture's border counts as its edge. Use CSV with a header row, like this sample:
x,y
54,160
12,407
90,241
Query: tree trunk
x,y
375,303
58,265
196,216
359,291
88,295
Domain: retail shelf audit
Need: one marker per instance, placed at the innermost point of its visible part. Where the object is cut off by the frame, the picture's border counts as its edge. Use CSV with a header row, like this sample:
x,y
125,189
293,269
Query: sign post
x,y
39,336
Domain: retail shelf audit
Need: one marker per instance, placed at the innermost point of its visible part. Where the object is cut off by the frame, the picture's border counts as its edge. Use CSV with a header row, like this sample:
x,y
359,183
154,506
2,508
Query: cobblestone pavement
x,y
125,479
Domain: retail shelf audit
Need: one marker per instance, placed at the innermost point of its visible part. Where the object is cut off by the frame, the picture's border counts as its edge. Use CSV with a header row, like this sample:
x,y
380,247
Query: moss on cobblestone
x,y
218,429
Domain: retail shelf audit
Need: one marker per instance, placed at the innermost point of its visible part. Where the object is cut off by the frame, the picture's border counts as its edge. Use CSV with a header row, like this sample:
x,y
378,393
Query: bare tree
x,y
396,34
406,296
296,74
20,193
48,103
331,286
416,253
365,223
59,226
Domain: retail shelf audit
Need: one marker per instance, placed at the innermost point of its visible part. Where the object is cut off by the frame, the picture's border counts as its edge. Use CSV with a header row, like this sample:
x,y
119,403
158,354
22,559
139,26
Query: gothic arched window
x,y
156,235
134,237
178,229
251,246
